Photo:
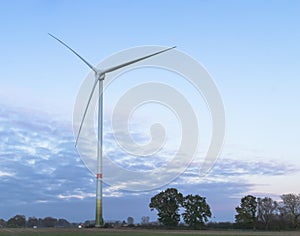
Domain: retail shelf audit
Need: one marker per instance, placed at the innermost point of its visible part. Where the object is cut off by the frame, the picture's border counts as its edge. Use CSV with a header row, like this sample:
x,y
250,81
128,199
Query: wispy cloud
x,y
6,173
38,158
39,166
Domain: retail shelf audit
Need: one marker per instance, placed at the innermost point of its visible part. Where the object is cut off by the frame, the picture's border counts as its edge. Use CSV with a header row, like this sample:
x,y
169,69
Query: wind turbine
x,y
99,77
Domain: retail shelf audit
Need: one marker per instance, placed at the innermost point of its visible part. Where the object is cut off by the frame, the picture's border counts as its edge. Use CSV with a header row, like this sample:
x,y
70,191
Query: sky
x,y
251,50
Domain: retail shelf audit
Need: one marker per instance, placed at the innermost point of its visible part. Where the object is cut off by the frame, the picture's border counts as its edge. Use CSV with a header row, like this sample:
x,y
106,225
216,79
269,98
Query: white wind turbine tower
x,y
99,77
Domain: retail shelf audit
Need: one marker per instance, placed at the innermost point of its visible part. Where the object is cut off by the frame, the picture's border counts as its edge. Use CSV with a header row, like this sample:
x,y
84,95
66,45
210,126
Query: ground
x,y
133,232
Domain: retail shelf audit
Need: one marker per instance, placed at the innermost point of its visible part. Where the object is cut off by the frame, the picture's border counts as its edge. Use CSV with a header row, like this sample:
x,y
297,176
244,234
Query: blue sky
x,y
251,49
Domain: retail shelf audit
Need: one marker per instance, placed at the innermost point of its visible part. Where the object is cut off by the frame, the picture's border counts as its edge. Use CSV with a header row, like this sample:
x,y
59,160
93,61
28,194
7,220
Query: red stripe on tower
x,y
99,176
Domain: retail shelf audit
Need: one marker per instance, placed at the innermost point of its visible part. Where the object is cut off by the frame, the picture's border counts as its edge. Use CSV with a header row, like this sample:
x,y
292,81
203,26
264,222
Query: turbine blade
x,y
88,64
85,111
135,61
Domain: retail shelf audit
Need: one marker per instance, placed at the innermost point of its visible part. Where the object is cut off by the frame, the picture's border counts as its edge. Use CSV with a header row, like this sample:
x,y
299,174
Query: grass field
x,y
114,232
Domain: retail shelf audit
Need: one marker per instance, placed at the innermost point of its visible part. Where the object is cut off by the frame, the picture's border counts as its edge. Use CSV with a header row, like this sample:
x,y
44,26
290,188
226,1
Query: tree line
x,y
172,206
266,213
20,221
252,213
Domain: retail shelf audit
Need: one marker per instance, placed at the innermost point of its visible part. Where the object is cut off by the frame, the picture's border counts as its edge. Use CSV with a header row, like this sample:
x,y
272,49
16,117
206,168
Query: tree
x,y
2,223
284,218
130,220
32,221
246,212
145,220
63,223
266,209
291,204
49,221
167,204
197,211
17,221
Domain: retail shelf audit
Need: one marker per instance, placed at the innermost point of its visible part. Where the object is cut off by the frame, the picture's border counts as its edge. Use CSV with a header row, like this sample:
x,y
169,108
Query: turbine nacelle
x,y
99,75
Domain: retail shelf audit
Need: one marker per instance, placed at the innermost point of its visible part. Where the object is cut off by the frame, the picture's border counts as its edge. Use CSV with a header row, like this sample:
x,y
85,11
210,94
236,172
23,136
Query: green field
x,y
117,232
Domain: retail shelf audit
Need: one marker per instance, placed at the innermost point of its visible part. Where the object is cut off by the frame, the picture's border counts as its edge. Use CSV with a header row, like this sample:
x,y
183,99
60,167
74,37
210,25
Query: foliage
x,y
105,232
197,211
167,204
20,221
221,225
2,223
17,221
291,207
145,220
130,220
49,221
266,210
32,221
265,213
246,212
63,223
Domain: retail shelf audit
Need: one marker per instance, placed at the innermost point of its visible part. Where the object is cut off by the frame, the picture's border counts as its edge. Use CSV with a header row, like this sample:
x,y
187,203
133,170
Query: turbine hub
x,y
100,75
